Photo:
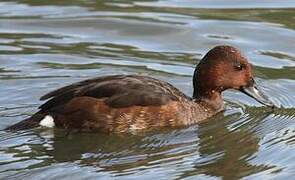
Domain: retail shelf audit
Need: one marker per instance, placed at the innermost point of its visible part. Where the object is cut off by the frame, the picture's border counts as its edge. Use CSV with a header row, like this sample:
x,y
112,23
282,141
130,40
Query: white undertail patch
x,y
47,121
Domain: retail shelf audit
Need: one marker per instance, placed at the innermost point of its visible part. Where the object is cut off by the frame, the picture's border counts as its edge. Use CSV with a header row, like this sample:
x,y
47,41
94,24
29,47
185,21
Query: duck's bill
x,y
253,91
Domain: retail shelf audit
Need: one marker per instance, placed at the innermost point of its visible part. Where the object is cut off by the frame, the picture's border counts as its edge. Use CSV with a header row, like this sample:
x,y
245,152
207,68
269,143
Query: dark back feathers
x,y
117,91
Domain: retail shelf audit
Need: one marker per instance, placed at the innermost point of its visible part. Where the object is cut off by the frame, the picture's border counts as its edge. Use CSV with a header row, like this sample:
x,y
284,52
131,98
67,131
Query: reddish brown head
x,y
224,67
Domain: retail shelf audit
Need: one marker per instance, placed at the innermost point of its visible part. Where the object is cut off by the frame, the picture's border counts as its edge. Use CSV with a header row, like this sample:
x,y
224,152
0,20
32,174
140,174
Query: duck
x,y
128,103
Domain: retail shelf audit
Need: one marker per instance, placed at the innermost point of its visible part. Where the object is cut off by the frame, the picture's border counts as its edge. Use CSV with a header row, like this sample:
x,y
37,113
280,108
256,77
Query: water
x,y
48,44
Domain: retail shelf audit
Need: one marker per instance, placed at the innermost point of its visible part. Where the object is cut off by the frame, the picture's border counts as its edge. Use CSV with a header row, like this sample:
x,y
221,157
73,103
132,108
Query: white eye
x,y
239,67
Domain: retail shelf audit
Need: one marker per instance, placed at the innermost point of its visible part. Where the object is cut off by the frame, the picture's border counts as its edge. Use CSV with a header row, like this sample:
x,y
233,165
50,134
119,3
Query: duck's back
x,y
115,104
117,91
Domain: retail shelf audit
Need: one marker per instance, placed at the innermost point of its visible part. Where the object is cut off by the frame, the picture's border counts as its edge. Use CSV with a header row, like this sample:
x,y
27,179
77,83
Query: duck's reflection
x,y
218,148
226,151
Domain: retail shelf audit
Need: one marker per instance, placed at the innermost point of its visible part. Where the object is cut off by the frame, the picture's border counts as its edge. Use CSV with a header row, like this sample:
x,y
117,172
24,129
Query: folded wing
x,y
117,91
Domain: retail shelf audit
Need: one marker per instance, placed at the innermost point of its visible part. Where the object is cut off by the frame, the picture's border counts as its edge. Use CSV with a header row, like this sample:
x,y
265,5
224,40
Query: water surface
x,y
48,44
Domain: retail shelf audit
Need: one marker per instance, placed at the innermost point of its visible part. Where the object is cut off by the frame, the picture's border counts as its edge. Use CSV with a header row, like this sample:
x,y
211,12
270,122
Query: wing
x,y
117,91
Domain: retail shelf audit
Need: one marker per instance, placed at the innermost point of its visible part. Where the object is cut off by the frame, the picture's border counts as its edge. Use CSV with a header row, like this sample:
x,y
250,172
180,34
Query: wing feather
x,y
118,91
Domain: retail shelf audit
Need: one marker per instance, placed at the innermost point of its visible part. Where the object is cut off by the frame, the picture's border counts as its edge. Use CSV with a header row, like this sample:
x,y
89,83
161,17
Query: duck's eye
x,y
239,67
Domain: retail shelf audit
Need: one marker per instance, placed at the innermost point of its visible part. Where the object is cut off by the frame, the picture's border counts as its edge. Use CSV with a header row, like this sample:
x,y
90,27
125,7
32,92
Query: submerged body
x,y
123,103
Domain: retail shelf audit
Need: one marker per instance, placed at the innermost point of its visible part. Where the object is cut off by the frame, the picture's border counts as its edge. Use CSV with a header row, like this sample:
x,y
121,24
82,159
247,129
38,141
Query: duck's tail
x,y
28,123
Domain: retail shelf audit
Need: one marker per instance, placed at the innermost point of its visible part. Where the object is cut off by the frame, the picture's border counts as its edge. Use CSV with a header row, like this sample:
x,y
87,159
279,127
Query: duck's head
x,y
222,68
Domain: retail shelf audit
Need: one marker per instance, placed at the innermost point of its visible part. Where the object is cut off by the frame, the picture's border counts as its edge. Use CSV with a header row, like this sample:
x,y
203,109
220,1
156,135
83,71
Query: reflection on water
x,y
221,147
48,44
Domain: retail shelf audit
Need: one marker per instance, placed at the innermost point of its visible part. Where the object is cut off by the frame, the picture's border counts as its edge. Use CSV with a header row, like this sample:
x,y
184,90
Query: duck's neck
x,y
211,99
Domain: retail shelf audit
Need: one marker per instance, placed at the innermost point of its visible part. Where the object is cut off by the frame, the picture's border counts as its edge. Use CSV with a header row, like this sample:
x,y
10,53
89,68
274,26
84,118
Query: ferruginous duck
x,y
122,103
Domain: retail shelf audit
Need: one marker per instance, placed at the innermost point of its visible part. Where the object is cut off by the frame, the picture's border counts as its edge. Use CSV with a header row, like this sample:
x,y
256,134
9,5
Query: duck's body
x,y
118,103
123,103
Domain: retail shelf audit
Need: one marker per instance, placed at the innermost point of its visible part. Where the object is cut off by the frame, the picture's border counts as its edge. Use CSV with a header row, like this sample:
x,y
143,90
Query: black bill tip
x,y
253,91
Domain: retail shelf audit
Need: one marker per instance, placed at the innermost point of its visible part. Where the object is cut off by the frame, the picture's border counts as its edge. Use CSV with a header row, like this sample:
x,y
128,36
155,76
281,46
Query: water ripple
x,y
48,44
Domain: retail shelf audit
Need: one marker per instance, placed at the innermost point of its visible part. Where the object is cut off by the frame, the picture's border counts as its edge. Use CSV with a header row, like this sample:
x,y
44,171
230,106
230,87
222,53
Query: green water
x,y
48,44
